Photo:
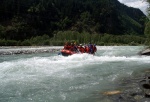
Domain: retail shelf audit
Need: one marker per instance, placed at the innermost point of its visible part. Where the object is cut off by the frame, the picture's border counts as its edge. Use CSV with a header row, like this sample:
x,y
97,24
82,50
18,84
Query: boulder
x,y
145,52
112,92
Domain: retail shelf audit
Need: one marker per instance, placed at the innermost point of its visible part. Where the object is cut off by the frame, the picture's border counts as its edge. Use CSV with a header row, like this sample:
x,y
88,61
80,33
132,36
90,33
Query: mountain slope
x,y
21,19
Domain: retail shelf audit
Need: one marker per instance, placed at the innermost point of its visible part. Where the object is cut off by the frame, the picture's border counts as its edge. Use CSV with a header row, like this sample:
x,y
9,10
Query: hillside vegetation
x,y
22,20
147,28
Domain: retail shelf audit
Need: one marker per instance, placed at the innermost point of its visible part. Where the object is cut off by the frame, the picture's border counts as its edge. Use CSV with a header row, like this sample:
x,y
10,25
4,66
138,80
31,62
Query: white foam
x,y
26,68
60,62
54,64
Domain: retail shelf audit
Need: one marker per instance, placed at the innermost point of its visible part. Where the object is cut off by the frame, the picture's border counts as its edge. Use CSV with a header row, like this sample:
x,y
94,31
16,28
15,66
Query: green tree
x,y
39,17
147,28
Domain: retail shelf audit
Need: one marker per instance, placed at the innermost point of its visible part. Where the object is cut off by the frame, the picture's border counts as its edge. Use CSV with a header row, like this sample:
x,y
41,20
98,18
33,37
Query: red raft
x,y
66,52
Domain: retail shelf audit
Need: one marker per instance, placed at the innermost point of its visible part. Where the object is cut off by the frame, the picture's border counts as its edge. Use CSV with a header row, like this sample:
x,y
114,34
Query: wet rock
x,y
112,92
145,85
132,89
138,97
145,52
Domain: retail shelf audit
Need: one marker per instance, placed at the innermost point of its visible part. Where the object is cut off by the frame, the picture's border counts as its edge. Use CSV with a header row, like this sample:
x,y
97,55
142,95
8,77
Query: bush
x,y
101,43
133,43
46,42
11,43
26,43
56,43
2,42
8,42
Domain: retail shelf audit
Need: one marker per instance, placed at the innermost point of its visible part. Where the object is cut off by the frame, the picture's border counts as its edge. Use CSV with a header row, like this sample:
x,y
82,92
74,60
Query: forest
x,y
52,22
147,28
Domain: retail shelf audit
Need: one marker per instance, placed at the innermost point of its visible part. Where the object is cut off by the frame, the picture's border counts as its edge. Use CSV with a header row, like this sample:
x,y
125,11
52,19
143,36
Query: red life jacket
x,y
87,49
72,48
68,47
81,49
65,46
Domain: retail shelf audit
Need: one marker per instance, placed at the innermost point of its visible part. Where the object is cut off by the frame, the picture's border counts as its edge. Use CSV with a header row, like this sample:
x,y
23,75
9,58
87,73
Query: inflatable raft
x,y
66,52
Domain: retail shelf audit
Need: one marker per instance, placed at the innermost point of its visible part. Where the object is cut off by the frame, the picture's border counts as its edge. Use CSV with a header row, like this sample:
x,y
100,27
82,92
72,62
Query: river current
x,y
49,77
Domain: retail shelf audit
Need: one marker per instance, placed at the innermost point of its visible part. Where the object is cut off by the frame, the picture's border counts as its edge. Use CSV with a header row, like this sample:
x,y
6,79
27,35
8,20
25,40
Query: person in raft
x,y
66,46
81,49
70,46
94,48
73,47
86,48
91,48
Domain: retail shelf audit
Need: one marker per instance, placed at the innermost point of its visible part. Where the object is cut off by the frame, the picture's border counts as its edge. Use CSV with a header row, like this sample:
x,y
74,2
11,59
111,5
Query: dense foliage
x,y
23,20
147,28
61,37
103,39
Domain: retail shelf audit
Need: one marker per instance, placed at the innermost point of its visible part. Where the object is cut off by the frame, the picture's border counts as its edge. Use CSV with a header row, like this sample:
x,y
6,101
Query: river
x,y
48,77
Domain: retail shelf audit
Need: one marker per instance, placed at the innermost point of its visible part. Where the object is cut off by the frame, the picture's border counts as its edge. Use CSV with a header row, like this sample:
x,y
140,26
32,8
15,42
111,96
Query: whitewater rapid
x,y
49,77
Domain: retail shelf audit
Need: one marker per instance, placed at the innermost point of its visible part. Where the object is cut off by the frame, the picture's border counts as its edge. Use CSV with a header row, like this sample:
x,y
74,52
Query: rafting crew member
x,y
72,47
91,50
75,47
81,49
67,46
86,48
94,48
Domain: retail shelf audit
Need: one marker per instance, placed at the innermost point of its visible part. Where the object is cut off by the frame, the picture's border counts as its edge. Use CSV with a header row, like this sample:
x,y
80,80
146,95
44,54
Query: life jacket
x,y
68,47
65,46
87,49
72,48
81,49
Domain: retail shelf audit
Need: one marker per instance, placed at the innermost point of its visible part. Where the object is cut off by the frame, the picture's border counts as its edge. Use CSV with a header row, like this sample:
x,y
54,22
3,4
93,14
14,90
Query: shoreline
x,y
12,50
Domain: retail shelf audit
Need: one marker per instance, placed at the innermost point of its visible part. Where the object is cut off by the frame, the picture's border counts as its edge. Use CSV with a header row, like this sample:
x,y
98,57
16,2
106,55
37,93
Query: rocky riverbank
x,y
135,89
10,50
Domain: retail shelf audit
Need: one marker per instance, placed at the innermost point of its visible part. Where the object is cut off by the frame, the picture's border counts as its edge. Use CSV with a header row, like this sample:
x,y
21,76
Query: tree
x,y
48,16
147,28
